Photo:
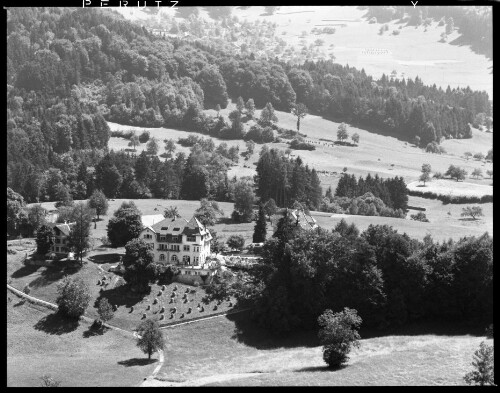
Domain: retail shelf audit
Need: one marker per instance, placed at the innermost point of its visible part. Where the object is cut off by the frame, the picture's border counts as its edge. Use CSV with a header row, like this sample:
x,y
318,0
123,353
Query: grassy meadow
x,y
232,351
40,342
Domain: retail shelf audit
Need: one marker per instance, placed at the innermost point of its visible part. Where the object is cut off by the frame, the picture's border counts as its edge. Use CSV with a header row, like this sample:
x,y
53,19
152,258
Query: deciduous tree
x,y
150,338
73,296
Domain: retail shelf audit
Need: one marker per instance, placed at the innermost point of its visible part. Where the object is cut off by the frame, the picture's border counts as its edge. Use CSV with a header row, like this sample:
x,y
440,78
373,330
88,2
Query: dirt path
x,y
199,381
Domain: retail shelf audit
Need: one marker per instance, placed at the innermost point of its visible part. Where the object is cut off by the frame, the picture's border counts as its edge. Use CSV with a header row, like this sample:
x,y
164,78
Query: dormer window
x,y
164,228
177,229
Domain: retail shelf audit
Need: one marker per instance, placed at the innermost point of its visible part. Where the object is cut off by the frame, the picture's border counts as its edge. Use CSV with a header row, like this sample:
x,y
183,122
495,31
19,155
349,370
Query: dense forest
x,y
388,277
474,23
70,70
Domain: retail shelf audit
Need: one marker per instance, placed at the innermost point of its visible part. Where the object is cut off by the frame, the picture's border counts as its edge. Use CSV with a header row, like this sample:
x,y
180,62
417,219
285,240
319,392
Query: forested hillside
x,y
70,70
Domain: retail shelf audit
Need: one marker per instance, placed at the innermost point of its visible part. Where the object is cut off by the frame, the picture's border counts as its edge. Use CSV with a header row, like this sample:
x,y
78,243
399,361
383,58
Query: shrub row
x,y
451,199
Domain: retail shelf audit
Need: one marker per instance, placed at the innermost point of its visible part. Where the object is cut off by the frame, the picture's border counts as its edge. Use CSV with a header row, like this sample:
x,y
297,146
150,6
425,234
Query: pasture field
x,y
39,342
379,154
442,225
415,51
451,187
232,351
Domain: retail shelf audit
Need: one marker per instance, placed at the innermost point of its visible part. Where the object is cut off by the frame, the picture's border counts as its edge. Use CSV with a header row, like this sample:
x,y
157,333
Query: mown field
x,y
39,342
416,51
232,351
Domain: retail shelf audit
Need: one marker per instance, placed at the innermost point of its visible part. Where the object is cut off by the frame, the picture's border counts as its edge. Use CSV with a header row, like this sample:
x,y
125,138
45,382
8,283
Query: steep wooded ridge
x,y
69,70
474,23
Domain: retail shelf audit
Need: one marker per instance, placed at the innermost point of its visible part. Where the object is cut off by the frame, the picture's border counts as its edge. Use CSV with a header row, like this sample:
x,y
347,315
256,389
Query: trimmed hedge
x,y
451,199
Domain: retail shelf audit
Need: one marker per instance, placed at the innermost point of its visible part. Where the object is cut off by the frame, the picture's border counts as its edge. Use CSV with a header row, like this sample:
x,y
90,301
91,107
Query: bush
x,y
420,216
484,373
452,199
338,334
236,241
298,145
396,32
438,175
73,296
434,147
144,137
105,310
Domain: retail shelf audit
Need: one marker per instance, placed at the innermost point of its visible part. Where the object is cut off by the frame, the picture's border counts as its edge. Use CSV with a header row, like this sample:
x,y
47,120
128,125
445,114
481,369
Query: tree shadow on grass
x,y
92,332
105,258
248,333
443,328
56,324
53,274
320,368
25,271
137,362
121,296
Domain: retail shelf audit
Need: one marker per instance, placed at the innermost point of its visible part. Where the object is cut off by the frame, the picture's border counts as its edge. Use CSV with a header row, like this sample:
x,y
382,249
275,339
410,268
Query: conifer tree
x,y
259,233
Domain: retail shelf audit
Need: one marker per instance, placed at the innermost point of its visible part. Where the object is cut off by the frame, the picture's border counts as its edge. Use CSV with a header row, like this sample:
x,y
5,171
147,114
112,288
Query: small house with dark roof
x,y
185,244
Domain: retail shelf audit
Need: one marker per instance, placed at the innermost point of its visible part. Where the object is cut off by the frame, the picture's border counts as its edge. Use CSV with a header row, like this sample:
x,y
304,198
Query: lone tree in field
x,y
484,371
489,172
44,240
342,132
134,141
300,111
338,334
105,310
467,155
426,173
477,172
236,241
170,147
171,212
150,339
99,203
260,232
355,138
79,235
73,296
472,211
456,173
152,146
479,156
267,116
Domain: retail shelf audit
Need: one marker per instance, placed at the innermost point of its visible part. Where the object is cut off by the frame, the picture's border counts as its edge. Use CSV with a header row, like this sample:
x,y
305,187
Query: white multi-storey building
x,y
185,244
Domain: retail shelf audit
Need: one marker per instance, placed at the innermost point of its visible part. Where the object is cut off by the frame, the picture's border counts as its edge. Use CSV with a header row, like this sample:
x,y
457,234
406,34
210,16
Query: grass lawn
x,y
452,187
39,343
235,352
43,282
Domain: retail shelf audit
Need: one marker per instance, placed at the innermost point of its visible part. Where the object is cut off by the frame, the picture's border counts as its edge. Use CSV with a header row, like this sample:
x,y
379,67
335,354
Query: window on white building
x,y
186,248
191,238
196,259
162,257
174,258
186,259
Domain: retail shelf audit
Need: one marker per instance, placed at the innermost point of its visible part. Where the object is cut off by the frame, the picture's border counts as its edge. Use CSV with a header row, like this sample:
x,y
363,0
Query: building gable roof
x,y
64,228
